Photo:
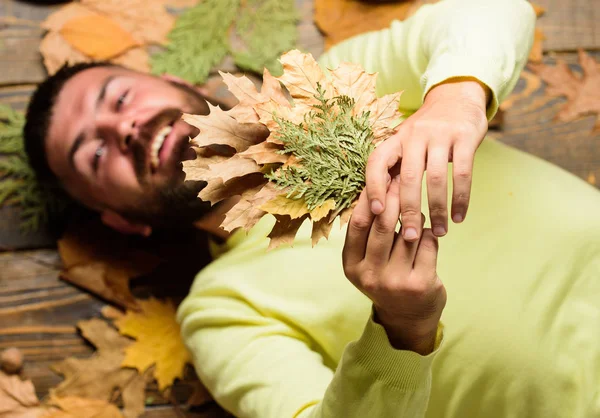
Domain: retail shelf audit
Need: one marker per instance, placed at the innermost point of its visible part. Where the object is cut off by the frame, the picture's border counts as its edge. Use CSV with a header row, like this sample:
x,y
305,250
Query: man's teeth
x,y
159,139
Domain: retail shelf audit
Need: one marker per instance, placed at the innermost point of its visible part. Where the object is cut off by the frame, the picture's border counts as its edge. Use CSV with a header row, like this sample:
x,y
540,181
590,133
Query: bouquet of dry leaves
x,y
298,156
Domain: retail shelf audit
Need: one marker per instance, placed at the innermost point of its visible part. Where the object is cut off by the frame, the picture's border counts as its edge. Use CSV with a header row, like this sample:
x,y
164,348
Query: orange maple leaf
x,y
121,35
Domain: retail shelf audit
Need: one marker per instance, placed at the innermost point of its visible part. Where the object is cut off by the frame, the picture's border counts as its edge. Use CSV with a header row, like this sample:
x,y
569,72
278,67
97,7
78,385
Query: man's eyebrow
x,y
102,93
76,144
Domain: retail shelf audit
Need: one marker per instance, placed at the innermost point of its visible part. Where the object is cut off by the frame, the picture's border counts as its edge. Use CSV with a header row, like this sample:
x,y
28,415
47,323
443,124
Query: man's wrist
x,y
462,87
416,335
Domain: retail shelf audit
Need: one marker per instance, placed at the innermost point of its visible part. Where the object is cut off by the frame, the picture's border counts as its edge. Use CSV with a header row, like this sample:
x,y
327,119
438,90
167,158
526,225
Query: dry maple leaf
x,y
158,341
99,376
342,19
18,399
141,22
101,261
582,92
74,407
88,34
537,51
309,163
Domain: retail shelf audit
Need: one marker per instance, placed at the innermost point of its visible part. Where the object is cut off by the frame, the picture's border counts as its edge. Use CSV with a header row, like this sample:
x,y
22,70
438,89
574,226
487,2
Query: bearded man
x,y
283,334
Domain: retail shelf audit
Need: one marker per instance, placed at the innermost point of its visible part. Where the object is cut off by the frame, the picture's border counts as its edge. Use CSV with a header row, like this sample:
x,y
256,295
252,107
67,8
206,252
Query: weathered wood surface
x,y
570,24
530,125
38,315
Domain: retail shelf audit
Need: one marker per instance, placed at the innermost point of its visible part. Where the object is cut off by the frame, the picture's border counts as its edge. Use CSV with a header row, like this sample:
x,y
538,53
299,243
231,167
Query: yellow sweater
x,y
283,334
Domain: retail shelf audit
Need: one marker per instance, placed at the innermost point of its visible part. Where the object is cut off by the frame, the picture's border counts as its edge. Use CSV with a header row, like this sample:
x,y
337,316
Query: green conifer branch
x,y
332,147
18,184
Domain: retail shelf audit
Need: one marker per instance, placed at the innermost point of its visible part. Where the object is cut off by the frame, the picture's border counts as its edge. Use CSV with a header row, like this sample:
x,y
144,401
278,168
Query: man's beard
x,y
170,207
173,205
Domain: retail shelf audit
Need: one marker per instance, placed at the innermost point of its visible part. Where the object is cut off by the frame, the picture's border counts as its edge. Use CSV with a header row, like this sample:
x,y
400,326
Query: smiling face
x,y
116,142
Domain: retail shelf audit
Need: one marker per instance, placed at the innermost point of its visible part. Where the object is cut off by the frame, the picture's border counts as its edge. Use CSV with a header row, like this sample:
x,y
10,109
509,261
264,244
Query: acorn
x,y
11,360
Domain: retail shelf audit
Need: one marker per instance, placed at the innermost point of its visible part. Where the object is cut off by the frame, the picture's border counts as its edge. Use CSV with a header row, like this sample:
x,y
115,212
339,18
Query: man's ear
x,y
117,222
181,81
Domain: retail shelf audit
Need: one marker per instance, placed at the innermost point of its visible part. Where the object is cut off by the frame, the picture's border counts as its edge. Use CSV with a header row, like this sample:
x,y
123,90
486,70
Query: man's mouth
x,y
157,144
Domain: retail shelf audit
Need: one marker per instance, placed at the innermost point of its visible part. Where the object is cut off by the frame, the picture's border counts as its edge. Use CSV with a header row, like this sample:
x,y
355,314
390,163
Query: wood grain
x,y
530,125
570,24
38,315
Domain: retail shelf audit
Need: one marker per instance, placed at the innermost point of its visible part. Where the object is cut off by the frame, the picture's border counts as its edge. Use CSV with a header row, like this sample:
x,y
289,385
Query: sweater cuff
x,y
402,369
447,66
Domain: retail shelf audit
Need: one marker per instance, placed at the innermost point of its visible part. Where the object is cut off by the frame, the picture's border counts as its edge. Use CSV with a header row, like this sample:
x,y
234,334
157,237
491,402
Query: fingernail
x,y
457,218
439,231
376,207
410,234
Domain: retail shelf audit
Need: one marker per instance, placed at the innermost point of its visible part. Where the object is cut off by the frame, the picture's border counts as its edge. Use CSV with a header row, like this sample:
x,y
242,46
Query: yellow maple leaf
x,y
97,36
322,211
282,205
158,341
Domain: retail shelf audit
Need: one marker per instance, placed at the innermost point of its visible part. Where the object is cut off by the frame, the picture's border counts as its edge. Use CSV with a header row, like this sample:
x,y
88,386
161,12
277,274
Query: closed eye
x,y
121,100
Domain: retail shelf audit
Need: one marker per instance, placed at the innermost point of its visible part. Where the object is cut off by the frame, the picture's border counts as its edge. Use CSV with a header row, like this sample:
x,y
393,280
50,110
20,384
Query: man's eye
x,y
97,155
121,100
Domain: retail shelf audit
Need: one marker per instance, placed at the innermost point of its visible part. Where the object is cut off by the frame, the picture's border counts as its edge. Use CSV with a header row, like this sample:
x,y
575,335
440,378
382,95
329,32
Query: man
x,y
271,333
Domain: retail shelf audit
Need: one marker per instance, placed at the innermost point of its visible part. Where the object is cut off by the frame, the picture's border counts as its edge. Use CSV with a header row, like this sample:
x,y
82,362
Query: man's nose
x,y
126,130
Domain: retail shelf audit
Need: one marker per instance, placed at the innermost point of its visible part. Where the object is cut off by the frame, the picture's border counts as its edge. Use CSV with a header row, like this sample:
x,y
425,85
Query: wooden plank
x,y
530,125
39,313
20,35
570,24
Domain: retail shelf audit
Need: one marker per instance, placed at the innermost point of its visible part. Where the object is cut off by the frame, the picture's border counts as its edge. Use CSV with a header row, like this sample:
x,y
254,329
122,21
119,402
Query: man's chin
x,y
175,206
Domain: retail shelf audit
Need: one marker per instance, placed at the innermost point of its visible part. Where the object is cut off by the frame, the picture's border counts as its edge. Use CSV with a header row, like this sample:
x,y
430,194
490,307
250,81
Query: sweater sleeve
x,y
485,39
260,367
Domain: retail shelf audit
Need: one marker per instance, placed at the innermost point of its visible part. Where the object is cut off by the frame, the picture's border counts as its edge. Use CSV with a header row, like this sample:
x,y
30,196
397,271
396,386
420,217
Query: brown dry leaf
x,y
158,341
99,376
101,261
145,21
221,128
320,229
302,77
581,91
200,395
74,407
285,230
342,19
97,36
18,398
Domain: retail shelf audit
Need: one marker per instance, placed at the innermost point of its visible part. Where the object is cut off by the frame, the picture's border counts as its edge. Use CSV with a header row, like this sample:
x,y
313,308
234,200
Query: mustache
x,y
139,146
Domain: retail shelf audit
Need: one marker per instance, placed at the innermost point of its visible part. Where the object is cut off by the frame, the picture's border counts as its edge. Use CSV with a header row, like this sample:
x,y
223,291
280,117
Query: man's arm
x,y
446,58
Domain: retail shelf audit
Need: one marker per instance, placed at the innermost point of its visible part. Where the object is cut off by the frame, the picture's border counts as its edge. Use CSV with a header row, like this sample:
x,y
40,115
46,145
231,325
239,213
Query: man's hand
x,y
398,276
449,126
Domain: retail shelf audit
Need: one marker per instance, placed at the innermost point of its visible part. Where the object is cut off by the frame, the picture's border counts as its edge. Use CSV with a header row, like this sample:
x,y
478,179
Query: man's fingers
x,y
426,257
358,232
381,236
403,253
411,177
437,189
380,161
462,172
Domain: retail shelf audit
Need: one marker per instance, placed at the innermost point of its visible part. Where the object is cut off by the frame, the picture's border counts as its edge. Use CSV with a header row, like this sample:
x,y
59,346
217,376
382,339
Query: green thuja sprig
x,y
332,147
18,185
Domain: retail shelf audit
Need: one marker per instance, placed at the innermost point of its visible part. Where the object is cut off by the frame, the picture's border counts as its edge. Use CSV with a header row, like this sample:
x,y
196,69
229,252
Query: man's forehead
x,y
72,111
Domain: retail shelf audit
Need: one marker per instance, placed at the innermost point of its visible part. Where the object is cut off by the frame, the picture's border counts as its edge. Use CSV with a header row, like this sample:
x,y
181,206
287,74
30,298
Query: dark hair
x,y
39,114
